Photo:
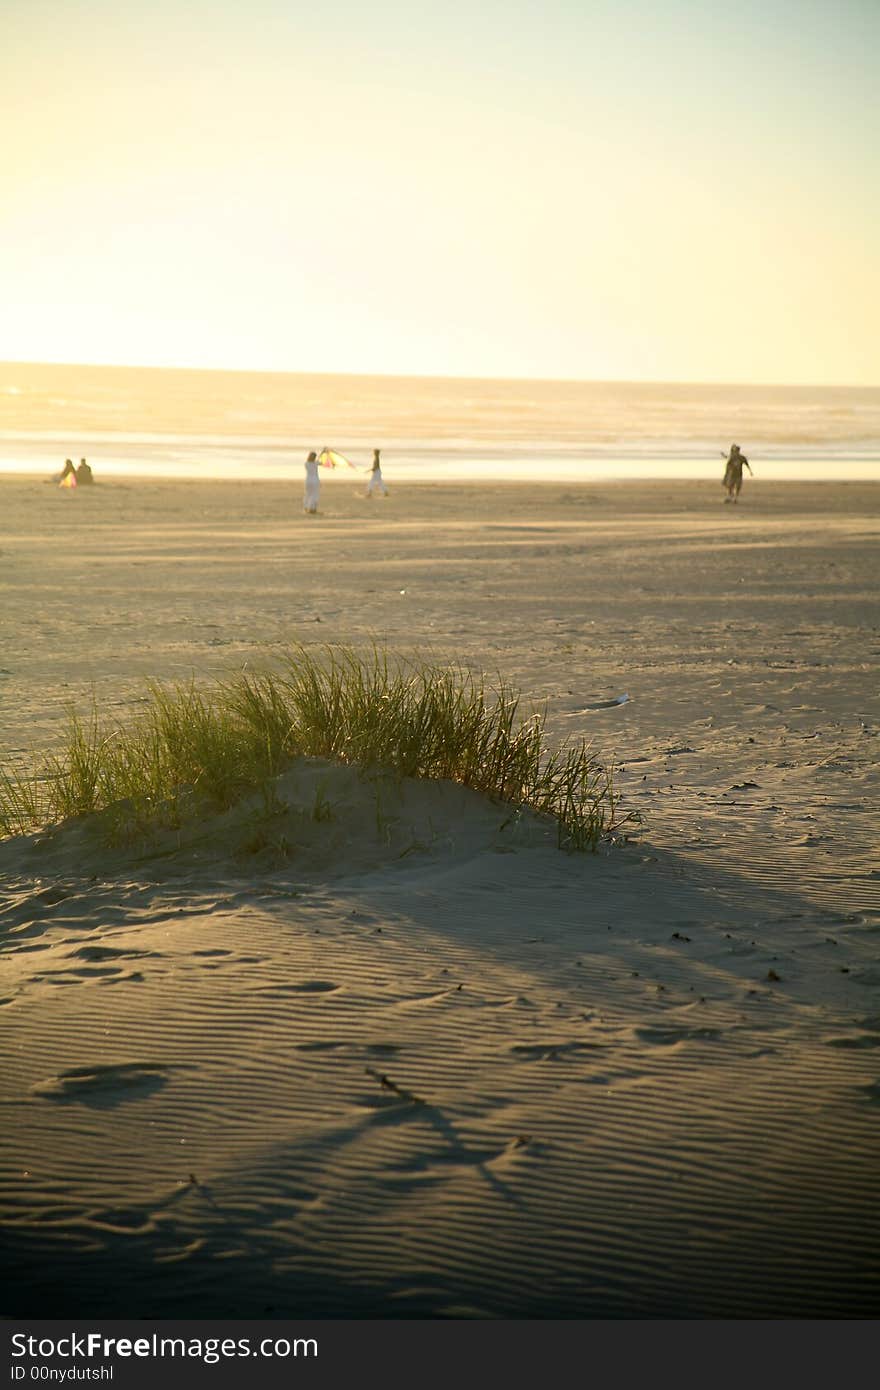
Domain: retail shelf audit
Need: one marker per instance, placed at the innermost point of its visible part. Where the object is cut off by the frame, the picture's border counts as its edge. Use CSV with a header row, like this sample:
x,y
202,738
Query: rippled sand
x,y
428,1064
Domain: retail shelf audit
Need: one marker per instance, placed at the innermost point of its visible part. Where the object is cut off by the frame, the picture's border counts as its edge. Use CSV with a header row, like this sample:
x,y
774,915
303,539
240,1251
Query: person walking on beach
x,y
313,485
376,482
733,473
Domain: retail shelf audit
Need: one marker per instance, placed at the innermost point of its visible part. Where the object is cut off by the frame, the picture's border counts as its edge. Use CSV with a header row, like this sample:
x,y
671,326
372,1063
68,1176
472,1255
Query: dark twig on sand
x,y
388,1085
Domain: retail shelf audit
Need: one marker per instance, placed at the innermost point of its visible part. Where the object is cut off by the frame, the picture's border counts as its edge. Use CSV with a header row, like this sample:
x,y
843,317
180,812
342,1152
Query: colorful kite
x,y
330,458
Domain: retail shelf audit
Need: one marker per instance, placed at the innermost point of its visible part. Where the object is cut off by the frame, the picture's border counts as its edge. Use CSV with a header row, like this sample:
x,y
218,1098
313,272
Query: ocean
x,y
187,423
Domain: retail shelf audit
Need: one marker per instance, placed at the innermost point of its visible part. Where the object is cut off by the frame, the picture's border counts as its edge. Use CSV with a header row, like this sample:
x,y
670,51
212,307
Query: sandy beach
x,y
444,1069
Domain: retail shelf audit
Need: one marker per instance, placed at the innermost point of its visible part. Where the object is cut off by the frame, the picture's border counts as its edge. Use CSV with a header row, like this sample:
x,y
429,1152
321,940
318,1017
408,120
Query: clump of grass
x,y
193,749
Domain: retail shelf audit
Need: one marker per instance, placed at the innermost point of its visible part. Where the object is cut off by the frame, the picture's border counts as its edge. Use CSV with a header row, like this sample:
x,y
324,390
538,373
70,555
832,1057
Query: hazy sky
x,y
666,189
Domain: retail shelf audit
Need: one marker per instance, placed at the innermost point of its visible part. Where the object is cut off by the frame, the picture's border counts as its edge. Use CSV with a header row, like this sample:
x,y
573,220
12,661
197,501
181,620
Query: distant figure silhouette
x,y
68,475
84,474
733,473
376,482
313,485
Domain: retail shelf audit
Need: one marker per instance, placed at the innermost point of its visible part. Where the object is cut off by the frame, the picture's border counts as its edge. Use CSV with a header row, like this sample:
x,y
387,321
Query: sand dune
x,y
410,1060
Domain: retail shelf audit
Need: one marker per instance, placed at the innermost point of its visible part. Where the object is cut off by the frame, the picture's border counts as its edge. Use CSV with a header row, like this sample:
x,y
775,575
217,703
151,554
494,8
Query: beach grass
x,y
196,749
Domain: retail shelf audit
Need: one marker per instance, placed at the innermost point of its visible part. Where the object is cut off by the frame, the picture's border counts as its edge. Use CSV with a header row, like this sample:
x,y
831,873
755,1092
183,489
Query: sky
x,y
668,190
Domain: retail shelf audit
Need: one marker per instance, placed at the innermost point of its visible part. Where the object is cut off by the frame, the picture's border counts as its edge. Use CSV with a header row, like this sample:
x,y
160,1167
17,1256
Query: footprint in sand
x,y
666,1037
99,953
605,704
551,1052
50,897
426,997
372,1049
35,906
103,1086
302,987
81,972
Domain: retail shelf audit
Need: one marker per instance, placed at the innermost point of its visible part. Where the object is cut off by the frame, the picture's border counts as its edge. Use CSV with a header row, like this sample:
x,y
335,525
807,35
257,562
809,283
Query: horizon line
x,y
442,376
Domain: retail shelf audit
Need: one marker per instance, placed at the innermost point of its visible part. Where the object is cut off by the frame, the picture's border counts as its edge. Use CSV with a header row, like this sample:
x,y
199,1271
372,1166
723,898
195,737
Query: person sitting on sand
x,y
84,474
313,485
68,475
376,482
733,473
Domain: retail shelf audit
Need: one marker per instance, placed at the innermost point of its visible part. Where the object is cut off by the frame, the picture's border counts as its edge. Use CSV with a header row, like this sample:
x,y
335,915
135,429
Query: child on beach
x,y
376,482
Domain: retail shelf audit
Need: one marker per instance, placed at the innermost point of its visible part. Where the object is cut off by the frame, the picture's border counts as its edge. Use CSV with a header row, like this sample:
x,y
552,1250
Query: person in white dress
x,y
313,485
376,482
